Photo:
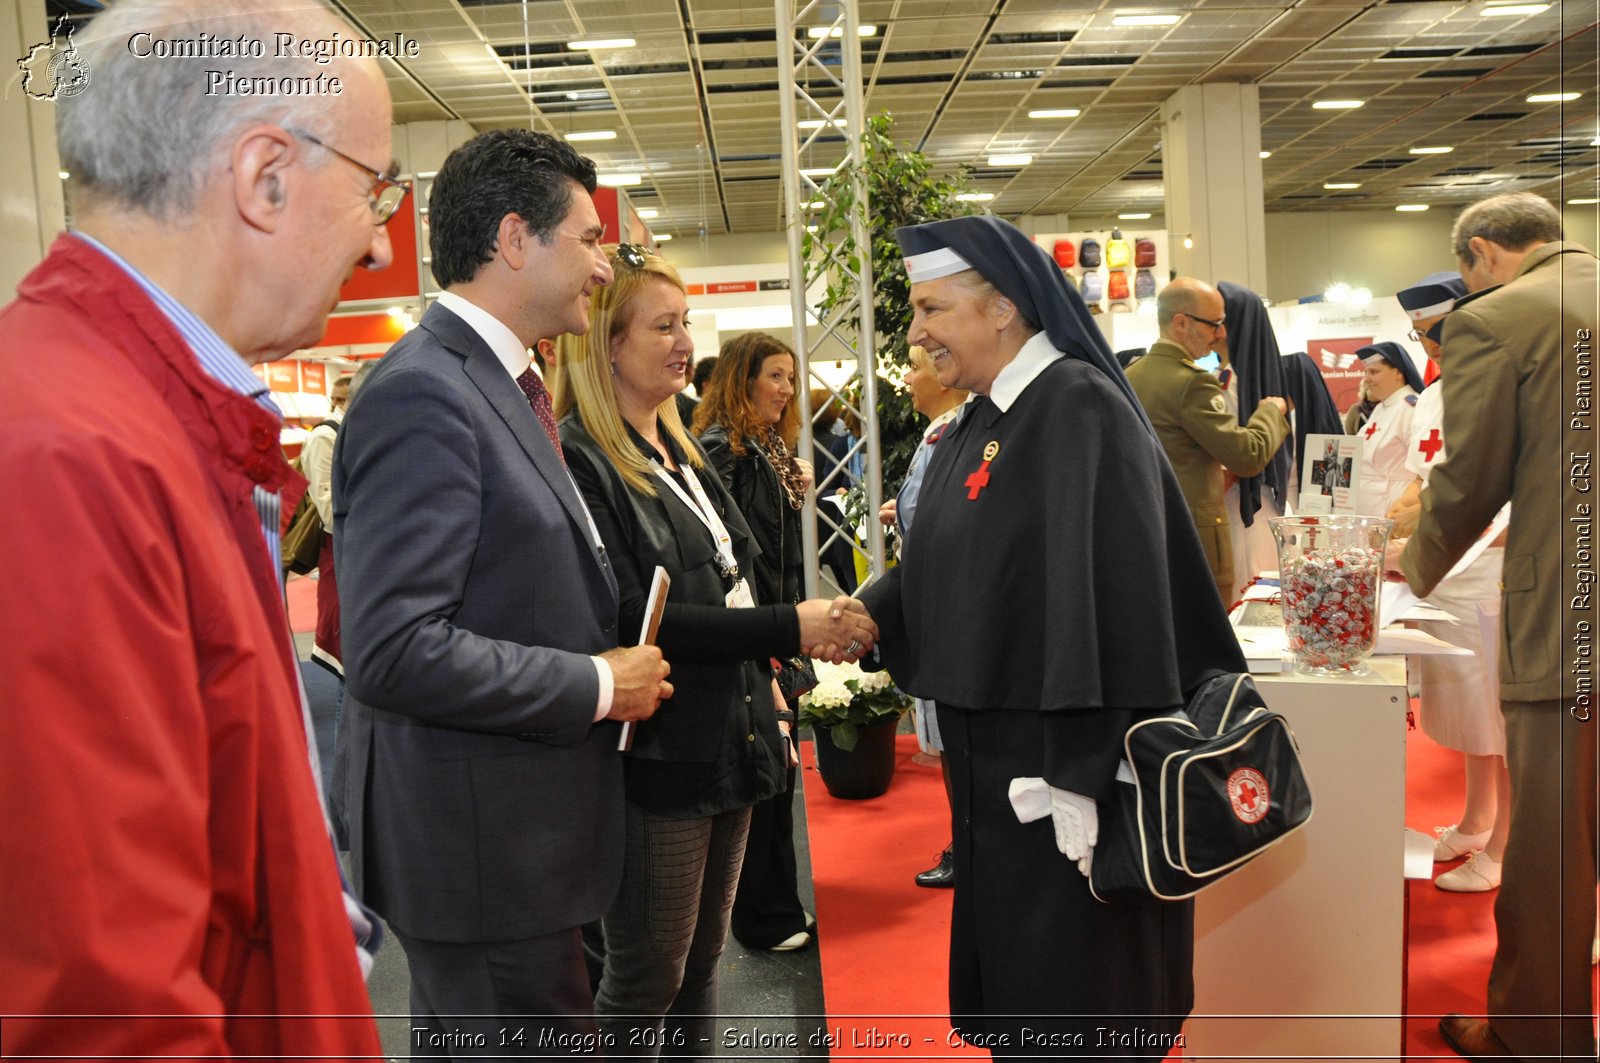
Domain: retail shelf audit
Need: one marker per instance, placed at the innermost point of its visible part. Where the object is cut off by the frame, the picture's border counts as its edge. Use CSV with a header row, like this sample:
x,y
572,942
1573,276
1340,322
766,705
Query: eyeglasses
x,y
1414,336
385,195
1214,324
631,255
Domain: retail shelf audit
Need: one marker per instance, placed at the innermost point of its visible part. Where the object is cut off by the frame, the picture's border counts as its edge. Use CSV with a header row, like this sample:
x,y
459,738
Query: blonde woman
x,y
720,744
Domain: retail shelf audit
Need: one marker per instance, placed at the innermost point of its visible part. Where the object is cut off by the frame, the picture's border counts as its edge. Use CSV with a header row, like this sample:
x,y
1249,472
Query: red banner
x,y
313,378
1341,369
283,376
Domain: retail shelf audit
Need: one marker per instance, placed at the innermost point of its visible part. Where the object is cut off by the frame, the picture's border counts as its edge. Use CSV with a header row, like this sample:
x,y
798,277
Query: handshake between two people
x,y
835,630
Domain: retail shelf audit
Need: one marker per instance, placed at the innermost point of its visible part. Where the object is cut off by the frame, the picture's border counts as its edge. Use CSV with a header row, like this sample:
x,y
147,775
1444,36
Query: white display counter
x,y
1301,954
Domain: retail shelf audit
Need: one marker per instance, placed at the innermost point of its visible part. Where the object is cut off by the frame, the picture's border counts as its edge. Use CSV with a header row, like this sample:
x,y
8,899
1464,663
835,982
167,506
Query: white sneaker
x,y
1451,844
1478,875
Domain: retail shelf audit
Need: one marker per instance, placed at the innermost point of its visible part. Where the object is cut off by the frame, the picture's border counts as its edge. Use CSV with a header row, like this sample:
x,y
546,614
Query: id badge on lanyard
x,y
740,597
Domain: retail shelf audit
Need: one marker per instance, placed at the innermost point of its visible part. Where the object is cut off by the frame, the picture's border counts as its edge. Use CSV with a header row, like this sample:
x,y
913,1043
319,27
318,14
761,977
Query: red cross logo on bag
x,y
1248,794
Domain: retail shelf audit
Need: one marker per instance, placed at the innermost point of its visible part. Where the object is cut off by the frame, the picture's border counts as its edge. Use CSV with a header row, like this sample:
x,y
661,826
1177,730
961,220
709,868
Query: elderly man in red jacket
x,y
169,886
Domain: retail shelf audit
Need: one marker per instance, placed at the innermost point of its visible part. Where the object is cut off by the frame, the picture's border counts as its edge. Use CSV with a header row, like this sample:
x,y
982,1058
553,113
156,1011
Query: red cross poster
x,y
1332,471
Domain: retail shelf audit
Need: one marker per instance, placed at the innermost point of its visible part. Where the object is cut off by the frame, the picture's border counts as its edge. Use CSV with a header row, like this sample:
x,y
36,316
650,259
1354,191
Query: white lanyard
x,y
707,514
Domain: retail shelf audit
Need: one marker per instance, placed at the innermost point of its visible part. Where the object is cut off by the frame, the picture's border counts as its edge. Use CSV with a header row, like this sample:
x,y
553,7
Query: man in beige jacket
x,y
1521,429
1192,419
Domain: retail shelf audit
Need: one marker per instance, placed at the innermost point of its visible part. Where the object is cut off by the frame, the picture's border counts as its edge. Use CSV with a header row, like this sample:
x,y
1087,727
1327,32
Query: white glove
x,y
1076,822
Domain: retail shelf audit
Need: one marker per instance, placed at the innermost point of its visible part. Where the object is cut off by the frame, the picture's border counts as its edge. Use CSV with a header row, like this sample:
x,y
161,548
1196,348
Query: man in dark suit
x,y
1520,428
480,774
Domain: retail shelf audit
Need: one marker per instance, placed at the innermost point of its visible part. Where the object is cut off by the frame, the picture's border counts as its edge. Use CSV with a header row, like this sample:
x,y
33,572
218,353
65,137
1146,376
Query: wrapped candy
x,y
1330,570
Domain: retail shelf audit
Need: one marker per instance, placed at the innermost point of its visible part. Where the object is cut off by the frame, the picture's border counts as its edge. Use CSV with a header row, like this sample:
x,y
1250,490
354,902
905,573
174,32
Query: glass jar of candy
x,y
1330,571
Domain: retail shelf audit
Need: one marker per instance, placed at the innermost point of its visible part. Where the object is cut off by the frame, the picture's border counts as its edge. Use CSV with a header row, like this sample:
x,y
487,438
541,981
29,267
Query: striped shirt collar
x,y
220,361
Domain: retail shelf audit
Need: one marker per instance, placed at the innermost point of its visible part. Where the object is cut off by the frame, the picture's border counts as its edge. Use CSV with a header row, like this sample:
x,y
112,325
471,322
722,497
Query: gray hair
x,y
150,124
1514,220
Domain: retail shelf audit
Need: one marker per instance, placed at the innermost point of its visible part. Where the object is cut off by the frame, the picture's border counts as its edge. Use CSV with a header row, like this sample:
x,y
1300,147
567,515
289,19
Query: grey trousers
x,y
665,934
1540,1001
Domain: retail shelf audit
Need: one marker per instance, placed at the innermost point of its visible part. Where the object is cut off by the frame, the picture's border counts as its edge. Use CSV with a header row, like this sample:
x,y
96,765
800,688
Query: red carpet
x,y
302,591
884,941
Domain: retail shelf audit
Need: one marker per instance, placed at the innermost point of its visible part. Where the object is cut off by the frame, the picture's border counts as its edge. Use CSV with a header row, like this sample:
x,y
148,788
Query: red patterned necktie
x,y
539,399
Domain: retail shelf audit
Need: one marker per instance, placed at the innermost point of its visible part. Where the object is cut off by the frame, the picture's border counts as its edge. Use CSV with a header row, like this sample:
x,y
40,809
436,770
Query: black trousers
x,y
767,908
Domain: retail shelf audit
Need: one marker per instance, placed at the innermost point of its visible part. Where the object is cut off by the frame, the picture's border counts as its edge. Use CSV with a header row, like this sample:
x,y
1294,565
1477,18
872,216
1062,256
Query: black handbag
x,y
1200,793
796,675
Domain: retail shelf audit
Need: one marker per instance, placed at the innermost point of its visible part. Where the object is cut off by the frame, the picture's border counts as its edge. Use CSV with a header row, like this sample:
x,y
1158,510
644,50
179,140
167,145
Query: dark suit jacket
x,y
1510,387
484,802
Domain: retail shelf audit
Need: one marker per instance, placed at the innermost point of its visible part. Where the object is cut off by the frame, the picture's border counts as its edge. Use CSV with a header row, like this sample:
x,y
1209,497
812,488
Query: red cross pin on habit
x,y
1431,446
979,480
1371,428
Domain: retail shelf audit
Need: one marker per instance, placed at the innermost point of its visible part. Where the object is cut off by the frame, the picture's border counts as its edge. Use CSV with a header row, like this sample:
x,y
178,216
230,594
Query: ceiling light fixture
x,y
64,174
647,213
620,180
818,32
818,171
1554,97
974,197
818,123
1055,112
1582,202
661,239
1337,105
1441,150
1133,217
816,204
592,134
1334,186
1264,154
612,42
1009,160
1146,20
1412,208
1493,10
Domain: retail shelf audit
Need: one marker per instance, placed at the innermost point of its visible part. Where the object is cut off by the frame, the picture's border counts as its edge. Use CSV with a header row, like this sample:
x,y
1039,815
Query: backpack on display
x,y
1144,252
1118,253
1089,253
1066,254
1144,284
301,545
1117,285
1093,287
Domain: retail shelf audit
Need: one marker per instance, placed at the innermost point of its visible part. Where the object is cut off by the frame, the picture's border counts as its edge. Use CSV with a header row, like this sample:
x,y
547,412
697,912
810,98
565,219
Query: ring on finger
x,y
854,647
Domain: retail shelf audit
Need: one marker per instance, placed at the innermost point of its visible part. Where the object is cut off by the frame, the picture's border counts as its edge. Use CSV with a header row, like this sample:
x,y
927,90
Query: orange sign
x,y
313,378
283,376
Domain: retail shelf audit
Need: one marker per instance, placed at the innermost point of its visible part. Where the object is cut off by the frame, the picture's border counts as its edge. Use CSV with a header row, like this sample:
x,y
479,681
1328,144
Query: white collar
x,y
1398,395
511,352
1018,373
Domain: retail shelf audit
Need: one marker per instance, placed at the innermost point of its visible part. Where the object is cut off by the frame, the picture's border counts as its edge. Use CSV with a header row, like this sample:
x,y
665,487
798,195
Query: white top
x,y
1385,439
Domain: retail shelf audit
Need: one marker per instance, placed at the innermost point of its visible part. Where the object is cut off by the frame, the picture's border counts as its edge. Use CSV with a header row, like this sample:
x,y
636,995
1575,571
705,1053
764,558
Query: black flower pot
x,y
859,773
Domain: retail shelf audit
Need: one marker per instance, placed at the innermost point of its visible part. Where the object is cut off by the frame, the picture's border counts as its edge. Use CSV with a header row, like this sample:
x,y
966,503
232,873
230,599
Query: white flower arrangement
x,y
846,698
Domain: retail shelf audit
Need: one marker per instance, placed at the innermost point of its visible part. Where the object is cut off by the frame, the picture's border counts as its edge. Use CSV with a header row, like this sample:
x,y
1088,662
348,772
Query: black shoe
x,y
941,875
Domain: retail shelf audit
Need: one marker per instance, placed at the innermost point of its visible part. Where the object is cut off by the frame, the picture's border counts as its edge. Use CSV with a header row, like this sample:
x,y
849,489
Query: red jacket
x,y
162,849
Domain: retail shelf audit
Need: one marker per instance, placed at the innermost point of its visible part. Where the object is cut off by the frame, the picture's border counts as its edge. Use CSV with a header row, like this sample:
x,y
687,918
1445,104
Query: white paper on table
x,y
1398,640
1397,600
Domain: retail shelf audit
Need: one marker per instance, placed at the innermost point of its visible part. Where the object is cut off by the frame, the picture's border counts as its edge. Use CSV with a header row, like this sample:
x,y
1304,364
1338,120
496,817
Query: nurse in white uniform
x,y
1460,695
1393,382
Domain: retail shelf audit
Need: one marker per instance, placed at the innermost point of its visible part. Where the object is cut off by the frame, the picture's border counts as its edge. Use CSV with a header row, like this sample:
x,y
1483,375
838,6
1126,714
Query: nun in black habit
x,y
1050,513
